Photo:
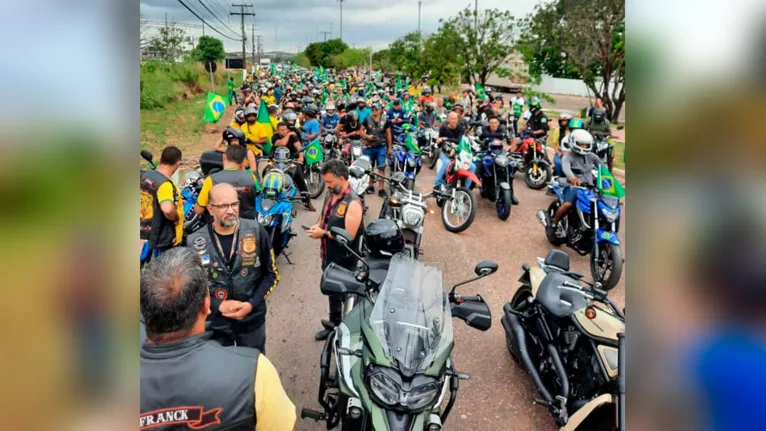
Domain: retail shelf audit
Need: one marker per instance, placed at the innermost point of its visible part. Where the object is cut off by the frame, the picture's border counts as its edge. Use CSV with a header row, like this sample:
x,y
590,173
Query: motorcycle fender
x,y
541,161
505,186
607,236
580,415
464,174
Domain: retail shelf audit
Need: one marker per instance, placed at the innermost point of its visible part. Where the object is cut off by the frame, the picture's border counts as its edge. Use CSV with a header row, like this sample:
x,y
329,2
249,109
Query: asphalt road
x,y
499,395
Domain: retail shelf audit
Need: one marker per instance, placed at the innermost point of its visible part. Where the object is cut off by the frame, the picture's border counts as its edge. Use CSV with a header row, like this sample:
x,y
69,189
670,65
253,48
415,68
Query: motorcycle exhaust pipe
x,y
542,217
514,325
559,370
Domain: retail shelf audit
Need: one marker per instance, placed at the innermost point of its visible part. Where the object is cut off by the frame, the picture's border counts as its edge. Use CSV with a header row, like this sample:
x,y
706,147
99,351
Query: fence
x,y
574,87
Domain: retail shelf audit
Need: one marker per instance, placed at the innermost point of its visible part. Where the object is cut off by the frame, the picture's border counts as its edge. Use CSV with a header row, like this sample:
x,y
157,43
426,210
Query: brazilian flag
x,y
608,184
314,153
214,108
480,93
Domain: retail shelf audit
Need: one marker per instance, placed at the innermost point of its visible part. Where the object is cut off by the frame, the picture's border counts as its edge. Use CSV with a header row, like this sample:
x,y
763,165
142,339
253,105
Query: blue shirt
x,y
277,95
311,128
330,121
392,114
364,113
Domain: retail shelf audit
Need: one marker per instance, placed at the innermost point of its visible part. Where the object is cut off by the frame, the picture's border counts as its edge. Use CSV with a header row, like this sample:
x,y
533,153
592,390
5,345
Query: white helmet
x,y
581,141
329,107
565,116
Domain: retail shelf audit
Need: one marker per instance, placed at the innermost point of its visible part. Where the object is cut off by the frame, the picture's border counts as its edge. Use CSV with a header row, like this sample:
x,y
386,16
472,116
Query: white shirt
x,y
527,115
517,101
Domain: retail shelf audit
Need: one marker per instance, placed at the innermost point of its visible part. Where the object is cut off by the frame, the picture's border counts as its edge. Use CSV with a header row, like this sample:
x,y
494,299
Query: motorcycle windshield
x,y
411,317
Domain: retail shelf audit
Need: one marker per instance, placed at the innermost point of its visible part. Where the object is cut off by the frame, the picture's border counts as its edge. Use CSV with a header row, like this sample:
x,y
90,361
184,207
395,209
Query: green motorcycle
x,y
387,366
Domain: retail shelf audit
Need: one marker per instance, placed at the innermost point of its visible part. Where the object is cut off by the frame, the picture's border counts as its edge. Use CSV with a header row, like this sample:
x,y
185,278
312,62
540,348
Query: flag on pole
x,y
214,108
273,69
314,153
264,127
608,184
480,93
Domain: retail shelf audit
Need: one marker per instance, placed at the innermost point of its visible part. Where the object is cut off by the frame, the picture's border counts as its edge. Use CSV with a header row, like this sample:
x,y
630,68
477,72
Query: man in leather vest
x,y
162,215
342,208
244,183
377,133
189,381
240,262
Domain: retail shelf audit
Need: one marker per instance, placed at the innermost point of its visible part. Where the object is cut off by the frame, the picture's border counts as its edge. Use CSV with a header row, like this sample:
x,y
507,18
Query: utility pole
x,y
341,18
258,50
203,28
476,17
331,30
420,2
325,33
252,28
242,14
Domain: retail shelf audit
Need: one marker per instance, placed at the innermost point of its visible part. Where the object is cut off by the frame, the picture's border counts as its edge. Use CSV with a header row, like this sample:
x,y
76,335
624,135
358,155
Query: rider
x,y
563,147
426,97
601,128
453,131
578,166
253,133
310,125
233,136
331,118
427,118
378,137
494,131
284,137
349,127
537,125
406,102
364,111
395,117
239,118
233,173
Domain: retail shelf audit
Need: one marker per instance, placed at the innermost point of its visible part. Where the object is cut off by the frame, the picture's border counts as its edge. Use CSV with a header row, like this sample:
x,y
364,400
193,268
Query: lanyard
x,y
219,247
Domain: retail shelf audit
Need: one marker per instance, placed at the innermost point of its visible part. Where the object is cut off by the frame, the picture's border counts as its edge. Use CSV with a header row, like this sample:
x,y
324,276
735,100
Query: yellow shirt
x,y
235,125
274,122
269,99
165,194
253,133
273,409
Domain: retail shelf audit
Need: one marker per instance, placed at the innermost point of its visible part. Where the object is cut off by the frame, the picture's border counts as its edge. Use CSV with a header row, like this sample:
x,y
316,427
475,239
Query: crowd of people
x,y
203,297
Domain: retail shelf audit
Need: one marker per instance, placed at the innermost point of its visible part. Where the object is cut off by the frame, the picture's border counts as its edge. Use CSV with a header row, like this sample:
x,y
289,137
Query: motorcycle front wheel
x,y
607,267
410,184
314,182
503,204
537,175
433,158
458,212
550,230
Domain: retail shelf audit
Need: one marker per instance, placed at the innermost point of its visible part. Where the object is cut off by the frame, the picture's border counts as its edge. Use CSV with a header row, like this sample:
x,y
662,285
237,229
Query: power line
x,y
205,22
216,16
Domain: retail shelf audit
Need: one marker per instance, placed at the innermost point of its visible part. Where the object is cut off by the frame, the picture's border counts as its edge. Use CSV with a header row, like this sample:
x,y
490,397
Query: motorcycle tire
x,y
433,158
315,186
613,253
410,184
550,231
503,204
383,210
537,185
521,296
471,213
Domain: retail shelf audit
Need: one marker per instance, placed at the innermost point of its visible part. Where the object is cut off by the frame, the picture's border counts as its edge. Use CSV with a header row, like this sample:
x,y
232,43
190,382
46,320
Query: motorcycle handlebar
x,y
472,298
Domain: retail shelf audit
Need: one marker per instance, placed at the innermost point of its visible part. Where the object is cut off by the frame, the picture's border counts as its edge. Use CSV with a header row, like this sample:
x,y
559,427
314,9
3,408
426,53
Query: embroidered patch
x,y
199,243
247,243
243,272
194,416
341,209
221,294
248,259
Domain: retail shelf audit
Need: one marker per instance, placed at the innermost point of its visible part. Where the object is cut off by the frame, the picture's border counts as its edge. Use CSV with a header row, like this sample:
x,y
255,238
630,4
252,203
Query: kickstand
x,y
287,257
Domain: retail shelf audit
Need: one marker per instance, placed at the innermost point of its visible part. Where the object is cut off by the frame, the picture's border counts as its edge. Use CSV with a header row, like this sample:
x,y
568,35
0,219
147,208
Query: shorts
x,y
377,156
570,194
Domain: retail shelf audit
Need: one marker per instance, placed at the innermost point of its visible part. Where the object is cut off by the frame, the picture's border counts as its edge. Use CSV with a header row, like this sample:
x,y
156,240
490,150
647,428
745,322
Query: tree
x,y
406,54
382,60
483,48
352,57
302,60
170,41
208,49
439,60
322,53
590,35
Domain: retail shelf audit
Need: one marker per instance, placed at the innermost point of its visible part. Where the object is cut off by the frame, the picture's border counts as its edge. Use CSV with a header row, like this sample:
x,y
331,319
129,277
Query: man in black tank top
x,y
342,208
244,183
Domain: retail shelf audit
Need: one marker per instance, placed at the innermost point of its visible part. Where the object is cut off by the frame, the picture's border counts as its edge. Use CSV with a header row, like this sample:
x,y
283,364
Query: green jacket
x,y
604,128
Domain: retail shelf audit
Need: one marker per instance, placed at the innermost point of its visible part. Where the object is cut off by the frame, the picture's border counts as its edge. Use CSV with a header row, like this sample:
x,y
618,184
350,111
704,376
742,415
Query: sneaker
x,y
560,232
327,324
308,206
514,201
322,335
370,190
382,193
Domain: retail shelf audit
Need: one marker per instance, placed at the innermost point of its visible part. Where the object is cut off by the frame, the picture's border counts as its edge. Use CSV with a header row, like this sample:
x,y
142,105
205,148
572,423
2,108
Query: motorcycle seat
x,y
559,302
359,167
558,259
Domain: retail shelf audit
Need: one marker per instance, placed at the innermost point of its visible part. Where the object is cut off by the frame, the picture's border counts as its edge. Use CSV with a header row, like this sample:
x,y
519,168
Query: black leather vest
x,y
237,282
244,184
331,251
158,230
377,129
197,384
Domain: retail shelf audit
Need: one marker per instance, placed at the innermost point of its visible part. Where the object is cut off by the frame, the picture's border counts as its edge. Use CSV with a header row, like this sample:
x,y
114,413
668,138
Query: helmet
x,y
575,123
430,106
535,105
383,238
306,100
251,111
239,114
310,110
426,90
273,183
581,142
281,155
231,133
565,116
290,117
316,92
329,107
331,87
353,116
262,89
599,114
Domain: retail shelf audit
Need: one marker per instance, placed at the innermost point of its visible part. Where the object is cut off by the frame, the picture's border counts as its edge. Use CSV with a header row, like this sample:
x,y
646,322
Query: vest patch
x,y
147,205
199,243
193,416
341,209
221,294
247,243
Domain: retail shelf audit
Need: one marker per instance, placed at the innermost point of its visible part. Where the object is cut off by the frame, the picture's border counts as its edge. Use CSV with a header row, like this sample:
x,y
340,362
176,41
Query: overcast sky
x,y
373,23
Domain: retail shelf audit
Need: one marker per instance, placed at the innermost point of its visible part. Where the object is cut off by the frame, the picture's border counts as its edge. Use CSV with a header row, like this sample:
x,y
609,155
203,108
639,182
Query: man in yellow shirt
x,y
274,115
162,209
186,377
239,119
269,97
253,133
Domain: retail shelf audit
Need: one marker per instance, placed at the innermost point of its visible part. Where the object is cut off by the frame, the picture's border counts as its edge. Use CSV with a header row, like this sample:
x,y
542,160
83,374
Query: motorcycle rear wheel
x,y
550,230
433,158
611,261
520,297
314,182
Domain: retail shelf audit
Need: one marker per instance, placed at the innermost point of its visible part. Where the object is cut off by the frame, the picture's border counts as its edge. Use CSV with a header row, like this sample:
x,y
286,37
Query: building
x,y
519,71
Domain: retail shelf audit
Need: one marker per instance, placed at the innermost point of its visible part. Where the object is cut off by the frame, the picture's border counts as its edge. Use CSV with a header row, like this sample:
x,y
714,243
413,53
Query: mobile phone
x,y
305,227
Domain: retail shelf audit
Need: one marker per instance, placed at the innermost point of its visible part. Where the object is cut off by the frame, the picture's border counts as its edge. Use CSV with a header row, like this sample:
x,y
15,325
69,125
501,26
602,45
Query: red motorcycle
x,y
457,202
534,162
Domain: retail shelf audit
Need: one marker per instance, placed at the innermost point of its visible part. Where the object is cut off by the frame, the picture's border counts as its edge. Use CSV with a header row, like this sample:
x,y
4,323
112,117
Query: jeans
x,y
516,127
558,171
377,156
443,171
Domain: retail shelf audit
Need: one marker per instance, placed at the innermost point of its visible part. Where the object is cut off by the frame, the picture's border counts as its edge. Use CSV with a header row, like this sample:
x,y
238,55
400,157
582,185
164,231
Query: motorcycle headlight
x,y
388,392
610,214
412,215
357,151
501,160
265,219
384,388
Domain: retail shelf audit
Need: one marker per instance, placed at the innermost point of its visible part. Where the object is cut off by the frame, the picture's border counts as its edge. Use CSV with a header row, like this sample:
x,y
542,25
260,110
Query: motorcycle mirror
x,y
340,235
476,314
485,268
146,156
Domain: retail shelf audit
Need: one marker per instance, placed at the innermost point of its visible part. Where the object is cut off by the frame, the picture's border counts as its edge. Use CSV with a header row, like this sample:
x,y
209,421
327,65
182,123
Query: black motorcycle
x,y
497,170
407,208
569,337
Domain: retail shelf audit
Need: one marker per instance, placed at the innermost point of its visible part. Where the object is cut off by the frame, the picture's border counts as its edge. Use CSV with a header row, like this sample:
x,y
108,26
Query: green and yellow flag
x,y
314,153
480,93
214,108
608,184
264,127
273,69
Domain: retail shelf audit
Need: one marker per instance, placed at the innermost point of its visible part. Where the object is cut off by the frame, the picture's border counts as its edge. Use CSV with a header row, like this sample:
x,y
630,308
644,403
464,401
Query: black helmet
x,y
353,116
599,114
311,112
383,238
231,133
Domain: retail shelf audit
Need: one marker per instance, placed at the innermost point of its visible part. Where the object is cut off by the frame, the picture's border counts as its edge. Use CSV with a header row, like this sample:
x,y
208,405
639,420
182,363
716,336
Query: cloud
x,y
298,22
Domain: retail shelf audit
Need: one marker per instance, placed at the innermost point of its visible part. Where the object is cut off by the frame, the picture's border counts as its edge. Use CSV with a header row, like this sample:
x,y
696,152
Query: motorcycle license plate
x,y
357,151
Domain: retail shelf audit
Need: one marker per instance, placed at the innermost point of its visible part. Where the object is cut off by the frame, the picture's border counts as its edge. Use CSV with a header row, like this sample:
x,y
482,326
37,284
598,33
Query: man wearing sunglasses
x,y
241,268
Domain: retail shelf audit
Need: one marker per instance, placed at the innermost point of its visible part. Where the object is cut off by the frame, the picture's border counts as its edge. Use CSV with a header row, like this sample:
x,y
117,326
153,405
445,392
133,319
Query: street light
x,y
341,18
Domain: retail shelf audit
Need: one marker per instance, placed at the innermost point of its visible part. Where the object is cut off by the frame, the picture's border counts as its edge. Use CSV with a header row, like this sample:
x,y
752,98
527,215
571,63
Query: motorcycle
x,y
406,158
591,227
352,150
360,177
533,162
427,138
407,209
313,155
453,197
569,337
498,169
387,366
604,146
330,144
274,206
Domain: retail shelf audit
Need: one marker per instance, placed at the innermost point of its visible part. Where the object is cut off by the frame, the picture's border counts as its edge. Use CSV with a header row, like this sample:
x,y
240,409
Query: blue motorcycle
x,y
591,228
497,170
274,206
406,157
